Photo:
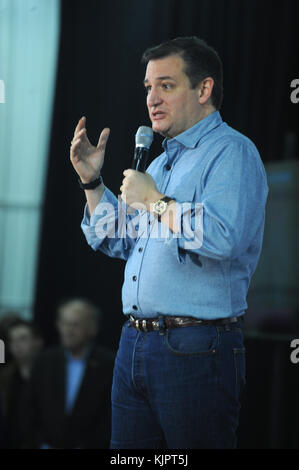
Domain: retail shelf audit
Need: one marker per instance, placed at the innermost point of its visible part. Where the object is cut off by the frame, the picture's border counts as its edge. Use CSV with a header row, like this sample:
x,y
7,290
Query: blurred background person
x,y
69,399
7,319
24,342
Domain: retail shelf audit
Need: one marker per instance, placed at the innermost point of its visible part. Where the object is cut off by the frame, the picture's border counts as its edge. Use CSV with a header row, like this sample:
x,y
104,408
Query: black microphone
x,y
143,140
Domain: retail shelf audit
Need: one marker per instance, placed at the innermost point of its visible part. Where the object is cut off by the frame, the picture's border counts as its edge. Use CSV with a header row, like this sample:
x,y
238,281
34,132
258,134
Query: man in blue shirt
x,y
68,401
191,230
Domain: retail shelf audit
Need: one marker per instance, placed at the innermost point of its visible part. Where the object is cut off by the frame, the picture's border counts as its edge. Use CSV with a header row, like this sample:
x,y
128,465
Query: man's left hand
x,y
138,190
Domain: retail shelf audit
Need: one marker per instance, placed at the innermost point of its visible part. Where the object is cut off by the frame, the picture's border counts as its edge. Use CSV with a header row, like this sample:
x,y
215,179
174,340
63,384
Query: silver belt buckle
x,y
144,325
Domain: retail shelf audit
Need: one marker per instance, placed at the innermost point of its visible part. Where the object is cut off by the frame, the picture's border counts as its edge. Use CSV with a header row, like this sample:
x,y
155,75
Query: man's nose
x,y
153,98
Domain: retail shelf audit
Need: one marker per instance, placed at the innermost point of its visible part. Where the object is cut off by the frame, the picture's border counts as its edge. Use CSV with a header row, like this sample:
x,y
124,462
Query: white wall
x,y
29,34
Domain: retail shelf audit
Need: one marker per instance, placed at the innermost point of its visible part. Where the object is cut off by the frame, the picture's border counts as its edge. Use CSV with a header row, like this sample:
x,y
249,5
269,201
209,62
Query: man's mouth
x,y
158,115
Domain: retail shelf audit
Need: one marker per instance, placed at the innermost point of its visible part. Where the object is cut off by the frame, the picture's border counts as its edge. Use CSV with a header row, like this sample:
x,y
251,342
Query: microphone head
x,y
144,137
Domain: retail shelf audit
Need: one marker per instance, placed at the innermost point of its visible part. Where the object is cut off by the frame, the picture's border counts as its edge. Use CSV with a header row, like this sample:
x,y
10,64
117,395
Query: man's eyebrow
x,y
166,77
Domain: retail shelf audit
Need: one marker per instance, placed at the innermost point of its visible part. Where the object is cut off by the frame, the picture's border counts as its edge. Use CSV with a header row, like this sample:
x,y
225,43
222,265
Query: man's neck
x,y
79,353
206,111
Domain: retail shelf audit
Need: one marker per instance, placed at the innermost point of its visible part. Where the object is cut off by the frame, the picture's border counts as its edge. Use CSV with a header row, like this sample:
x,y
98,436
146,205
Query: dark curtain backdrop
x,y
100,76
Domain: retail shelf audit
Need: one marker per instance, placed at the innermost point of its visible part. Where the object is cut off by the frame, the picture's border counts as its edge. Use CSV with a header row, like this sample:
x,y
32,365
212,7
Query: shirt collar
x,y
192,136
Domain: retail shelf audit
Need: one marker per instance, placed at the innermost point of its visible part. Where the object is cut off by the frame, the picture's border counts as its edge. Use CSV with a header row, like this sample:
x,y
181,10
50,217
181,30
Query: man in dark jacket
x,y
24,342
69,399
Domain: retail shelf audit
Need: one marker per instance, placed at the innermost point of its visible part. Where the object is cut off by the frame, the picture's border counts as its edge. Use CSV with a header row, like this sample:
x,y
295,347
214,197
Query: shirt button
x,y
134,278
135,307
167,167
140,250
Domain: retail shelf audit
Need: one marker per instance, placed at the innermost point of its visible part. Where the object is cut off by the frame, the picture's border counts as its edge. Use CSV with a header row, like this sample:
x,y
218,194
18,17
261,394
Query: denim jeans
x,y
178,388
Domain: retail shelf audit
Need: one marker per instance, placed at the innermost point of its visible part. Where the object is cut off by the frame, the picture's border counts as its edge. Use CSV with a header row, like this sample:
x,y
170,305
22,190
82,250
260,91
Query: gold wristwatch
x,y
161,205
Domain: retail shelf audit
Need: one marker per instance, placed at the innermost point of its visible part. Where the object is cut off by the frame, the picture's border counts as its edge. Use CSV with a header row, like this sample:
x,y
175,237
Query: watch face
x,y
160,207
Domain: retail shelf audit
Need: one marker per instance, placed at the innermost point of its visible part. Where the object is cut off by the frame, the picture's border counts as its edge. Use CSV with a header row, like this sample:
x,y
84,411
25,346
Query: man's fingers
x,y
103,139
79,134
82,137
81,123
75,146
128,172
76,142
77,127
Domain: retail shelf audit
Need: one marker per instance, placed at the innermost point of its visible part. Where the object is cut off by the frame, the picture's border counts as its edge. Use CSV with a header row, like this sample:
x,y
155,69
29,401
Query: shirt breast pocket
x,y
190,220
191,210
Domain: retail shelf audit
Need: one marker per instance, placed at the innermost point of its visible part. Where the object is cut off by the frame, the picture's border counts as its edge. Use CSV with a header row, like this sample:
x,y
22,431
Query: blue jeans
x,y
178,388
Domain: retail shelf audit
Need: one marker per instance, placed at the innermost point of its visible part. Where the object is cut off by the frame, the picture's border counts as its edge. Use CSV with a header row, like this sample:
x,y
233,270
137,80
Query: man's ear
x,y
205,89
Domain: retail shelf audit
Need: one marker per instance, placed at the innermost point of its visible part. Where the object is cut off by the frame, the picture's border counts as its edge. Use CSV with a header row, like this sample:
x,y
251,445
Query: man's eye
x,y
147,89
166,86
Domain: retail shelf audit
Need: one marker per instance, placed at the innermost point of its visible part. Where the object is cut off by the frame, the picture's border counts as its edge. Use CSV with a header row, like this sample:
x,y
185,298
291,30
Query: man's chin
x,y
164,131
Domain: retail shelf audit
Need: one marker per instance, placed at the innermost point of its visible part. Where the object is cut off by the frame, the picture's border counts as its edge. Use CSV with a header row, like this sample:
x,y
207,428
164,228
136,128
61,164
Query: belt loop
x,y
162,326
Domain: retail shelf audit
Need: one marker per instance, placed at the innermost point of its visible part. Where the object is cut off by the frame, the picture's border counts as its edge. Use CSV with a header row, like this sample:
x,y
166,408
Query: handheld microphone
x,y
143,140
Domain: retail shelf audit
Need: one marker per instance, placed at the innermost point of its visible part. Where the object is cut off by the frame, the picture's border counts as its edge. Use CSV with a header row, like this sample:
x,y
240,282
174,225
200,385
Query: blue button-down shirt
x,y
75,369
218,180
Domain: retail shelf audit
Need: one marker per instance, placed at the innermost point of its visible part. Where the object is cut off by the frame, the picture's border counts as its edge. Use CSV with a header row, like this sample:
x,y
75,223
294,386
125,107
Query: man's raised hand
x,y
87,159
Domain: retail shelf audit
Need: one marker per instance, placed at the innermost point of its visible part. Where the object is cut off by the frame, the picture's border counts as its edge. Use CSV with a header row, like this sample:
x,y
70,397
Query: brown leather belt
x,y
153,324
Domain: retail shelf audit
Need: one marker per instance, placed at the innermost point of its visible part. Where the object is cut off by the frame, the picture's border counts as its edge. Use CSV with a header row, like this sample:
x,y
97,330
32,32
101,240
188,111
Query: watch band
x,y
165,199
92,185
